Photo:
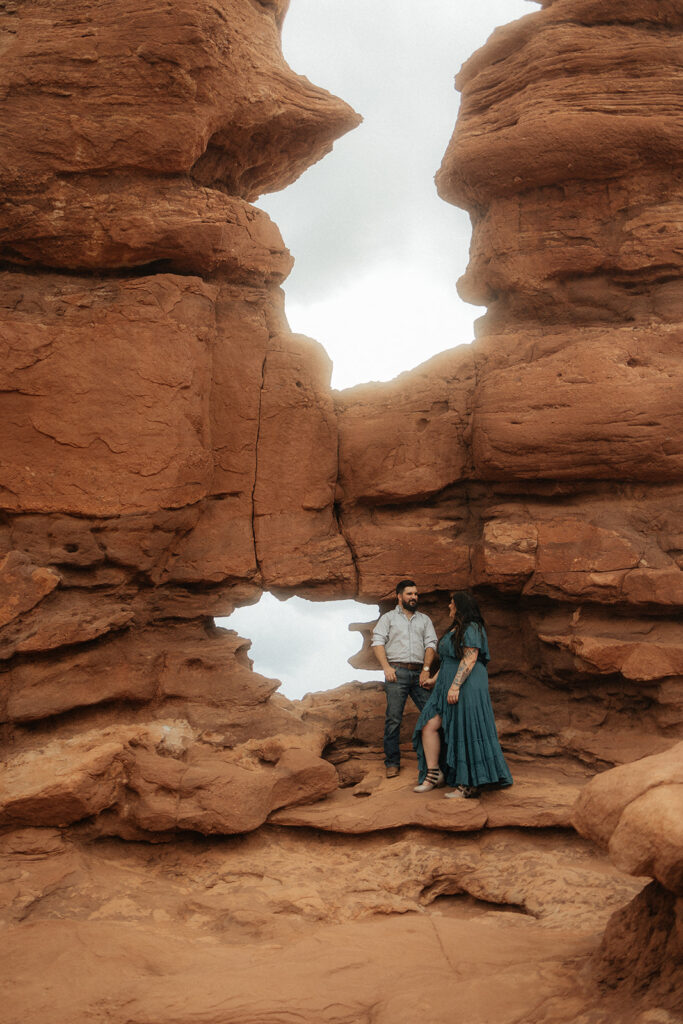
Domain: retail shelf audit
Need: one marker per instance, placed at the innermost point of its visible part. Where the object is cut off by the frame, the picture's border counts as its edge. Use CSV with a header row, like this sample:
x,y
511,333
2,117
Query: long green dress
x,y
470,752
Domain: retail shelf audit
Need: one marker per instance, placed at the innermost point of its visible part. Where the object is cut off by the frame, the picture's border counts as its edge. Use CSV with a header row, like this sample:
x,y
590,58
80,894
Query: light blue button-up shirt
x,y
403,638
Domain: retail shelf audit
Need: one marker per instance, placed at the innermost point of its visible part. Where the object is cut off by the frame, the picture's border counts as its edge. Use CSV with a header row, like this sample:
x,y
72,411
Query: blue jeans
x,y
407,682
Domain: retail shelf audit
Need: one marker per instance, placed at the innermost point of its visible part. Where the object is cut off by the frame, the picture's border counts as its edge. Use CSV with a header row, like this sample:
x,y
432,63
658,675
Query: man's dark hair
x,y
400,587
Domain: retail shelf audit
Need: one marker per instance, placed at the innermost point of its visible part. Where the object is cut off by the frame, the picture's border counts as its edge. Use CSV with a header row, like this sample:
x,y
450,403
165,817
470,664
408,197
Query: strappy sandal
x,y
434,777
463,793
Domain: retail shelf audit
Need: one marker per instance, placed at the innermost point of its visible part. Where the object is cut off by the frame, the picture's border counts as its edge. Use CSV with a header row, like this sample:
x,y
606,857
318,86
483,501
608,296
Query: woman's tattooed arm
x,y
467,663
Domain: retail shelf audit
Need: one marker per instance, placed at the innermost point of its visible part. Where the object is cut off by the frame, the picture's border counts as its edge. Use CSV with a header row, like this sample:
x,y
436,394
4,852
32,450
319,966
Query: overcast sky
x,y
377,252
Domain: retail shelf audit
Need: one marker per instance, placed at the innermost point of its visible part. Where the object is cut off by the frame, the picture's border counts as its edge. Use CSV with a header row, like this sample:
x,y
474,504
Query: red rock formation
x,y
274,923
636,813
170,450
542,465
142,389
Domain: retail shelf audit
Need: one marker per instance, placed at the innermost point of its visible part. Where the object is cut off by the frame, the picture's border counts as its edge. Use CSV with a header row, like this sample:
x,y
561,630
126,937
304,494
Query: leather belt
x,y
414,666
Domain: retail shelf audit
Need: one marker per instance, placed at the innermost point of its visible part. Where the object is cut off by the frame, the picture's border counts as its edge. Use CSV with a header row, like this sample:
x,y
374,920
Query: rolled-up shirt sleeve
x,y
430,635
380,633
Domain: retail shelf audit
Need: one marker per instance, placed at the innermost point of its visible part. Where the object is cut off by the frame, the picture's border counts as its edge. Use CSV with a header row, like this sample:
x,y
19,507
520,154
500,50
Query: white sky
x,y
305,644
377,252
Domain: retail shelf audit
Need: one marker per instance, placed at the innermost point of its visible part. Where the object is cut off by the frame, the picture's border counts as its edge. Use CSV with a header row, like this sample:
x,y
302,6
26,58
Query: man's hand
x,y
381,655
426,681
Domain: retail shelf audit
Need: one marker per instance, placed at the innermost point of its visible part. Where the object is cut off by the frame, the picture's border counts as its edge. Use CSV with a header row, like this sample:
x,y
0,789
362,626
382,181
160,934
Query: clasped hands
x,y
427,681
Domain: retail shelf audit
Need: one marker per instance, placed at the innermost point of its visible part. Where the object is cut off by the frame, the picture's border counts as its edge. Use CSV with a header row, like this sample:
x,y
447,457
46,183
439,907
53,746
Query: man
x,y
404,642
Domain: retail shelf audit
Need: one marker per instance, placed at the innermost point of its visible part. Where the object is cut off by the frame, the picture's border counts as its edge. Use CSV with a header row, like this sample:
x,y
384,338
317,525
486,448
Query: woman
x,y
459,709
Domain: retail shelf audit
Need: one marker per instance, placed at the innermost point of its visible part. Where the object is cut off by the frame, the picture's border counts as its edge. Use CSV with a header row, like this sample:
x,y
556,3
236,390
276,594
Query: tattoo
x,y
467,663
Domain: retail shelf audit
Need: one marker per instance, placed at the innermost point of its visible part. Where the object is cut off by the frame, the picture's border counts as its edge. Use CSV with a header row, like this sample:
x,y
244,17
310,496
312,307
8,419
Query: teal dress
x,y
470,752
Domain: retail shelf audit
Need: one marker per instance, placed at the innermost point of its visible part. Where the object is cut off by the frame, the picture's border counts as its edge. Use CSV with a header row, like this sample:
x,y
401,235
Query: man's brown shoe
x,y
392,771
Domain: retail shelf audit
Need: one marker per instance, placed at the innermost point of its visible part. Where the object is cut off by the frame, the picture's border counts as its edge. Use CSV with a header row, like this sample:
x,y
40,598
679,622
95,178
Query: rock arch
x,y
170,448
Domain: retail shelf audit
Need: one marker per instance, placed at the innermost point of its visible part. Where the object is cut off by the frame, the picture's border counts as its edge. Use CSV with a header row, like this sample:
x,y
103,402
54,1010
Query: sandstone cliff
x,y
542,464
170,450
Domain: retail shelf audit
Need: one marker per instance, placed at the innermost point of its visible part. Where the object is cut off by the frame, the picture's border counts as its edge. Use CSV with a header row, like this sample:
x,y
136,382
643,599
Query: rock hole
x,y
464,905
348,760
304,644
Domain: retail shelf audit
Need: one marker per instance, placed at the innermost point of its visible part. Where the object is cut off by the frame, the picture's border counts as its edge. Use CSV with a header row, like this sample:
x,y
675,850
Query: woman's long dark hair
x,y
466,610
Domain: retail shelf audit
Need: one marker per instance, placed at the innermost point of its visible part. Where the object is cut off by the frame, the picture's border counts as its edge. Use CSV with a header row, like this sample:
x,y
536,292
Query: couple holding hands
x,y
455,736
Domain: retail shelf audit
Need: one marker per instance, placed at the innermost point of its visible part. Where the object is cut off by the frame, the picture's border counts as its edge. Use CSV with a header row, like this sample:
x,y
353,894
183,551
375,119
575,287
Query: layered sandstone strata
x,y
542,465
151,392
171,450
192,454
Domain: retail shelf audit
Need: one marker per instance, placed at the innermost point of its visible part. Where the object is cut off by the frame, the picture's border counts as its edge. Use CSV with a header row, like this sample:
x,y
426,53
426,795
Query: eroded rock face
x,y
193,454
170,450
635,811
135,114
542,464
147,366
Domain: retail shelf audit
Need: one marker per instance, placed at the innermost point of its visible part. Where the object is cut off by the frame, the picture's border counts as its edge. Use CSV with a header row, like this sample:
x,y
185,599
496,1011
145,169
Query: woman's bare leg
x,y
431,741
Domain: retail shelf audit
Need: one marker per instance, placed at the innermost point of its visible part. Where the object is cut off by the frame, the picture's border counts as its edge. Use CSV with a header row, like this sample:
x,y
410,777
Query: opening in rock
x,y
306,644
464,905
377,251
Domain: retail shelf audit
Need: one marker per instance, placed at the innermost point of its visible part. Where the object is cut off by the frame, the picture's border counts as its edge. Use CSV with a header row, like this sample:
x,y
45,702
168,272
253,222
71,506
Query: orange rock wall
x,y
170,450
151,394
543,465
146,356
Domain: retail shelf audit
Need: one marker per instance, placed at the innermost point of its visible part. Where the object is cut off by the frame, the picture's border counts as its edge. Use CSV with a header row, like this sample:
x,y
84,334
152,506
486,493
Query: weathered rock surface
x,y
541,465
193,453
334,974
636,812
568,143
170,450
196,96
298,434
641,953
274,920
159,778
540,798
23,585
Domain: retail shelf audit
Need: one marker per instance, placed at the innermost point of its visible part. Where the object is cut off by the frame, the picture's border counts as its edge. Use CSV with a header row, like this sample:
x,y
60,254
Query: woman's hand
x,y
467,663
